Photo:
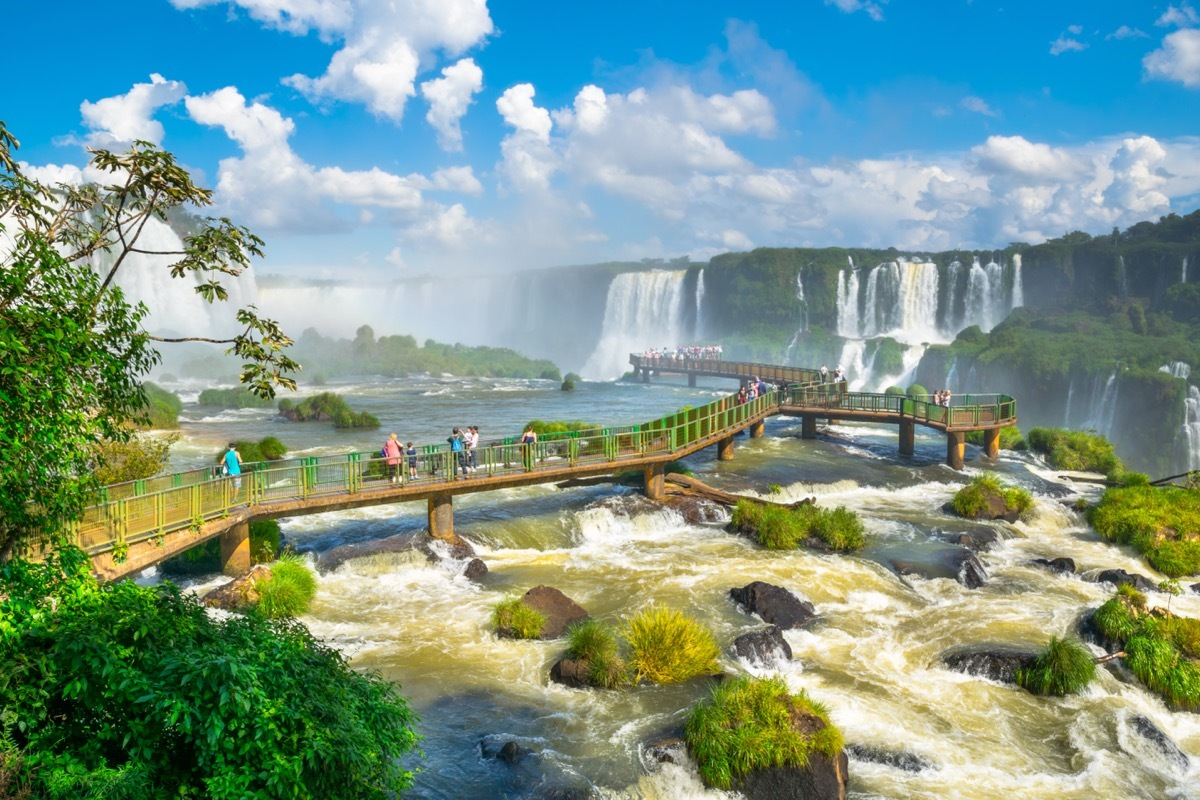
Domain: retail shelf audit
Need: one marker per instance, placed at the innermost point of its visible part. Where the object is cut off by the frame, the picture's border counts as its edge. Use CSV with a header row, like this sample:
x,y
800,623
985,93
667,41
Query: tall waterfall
x,y
847,303
174,305
643,309
1183,271
1191,428
1122,277
1018,291
698,333
1102,410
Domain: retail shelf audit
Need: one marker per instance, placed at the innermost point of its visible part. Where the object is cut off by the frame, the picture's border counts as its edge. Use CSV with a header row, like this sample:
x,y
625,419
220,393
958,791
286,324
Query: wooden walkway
x,y
141,523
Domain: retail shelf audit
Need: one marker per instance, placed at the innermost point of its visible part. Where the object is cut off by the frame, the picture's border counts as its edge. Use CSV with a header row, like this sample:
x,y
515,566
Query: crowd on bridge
x,y
694,352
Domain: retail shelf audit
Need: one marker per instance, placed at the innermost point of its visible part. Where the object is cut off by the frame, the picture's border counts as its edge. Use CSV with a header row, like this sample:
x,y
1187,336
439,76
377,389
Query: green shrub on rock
x,y
1074,450
1156,521
668,647
750,724
289,590
1011,438
326,407
595,644
512,618
1064,667
779,528
973,500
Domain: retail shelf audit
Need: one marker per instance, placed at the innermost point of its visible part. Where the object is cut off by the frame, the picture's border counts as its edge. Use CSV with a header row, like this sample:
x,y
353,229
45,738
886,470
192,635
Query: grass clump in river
x,y
1162,524
1064,667
512,618
596,645
667,647
1011,438
749,724
289,590
779,528
972,501
1161,650
1074,450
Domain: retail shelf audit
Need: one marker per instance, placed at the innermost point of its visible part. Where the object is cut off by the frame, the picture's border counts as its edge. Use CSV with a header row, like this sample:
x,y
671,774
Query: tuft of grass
x,y
1075,450
511,617
1116,621
1185,633
777,528
595,644
290,589
751,723
1132,595
971,501
1154,521
1167,672
668,647
1064,667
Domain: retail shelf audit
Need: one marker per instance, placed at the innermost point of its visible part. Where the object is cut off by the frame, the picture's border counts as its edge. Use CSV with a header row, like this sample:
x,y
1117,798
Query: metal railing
x,y
148,509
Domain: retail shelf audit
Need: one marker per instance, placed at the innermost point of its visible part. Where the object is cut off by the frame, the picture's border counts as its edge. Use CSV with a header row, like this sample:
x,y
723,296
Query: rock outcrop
x,y
900,759
1119,577
995,663
774,604
822,778
766,646
560,610
1065,566
239,592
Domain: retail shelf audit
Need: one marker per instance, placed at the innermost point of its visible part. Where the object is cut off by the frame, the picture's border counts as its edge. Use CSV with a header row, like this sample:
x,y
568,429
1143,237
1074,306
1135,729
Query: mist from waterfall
x,y
1102,409
642,310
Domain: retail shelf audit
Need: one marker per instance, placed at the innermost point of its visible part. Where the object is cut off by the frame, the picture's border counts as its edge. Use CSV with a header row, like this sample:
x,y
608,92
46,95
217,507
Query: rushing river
x,y
872,656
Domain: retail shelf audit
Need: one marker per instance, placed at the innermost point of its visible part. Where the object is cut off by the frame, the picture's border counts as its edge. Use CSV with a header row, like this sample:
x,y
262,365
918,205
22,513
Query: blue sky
x,y
395,138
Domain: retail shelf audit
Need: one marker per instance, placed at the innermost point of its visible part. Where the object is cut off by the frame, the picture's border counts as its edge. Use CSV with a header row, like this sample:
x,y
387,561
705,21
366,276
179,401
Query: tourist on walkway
x,y
824,374
411,452
233,466
472,444
457,452
392,451
528,443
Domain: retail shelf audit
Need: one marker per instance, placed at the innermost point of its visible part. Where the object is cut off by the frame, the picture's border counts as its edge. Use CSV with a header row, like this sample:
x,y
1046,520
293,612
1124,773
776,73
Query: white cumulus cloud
x,y
1178,59
449,97
1183,17
120,120
873,9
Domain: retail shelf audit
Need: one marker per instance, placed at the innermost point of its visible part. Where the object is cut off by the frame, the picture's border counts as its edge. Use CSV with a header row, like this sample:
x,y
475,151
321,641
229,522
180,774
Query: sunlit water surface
x,y
872,656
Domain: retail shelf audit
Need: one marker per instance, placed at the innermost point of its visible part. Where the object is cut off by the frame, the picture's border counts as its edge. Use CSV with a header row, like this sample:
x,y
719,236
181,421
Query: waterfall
x,y
1067,410
698,333
952,377
1183,271
643,310
1177,369
174,305
1018,291
1103,409
918,300
852,364
1191,428
1122,278
847,303
910,360
801,301
984,304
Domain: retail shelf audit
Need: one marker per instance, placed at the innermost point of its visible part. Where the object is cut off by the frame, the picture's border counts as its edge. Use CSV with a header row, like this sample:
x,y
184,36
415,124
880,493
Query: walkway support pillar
x,y
441,516
725,449
654,482
991,443
808,426
235,550
645,375
908,435
756,429
956,448
692,380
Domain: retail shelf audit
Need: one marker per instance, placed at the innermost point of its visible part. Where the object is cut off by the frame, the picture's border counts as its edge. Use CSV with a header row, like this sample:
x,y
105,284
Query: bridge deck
x,y
143,522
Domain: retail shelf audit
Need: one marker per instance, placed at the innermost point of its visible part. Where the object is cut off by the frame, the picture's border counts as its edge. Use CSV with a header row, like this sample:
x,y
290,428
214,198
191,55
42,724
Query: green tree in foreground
x,y
123,690
73,351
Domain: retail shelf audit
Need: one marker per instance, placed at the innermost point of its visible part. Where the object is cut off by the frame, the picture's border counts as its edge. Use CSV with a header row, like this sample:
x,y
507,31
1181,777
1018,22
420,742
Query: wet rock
x,y
239,592
774,604
511,752
570,672
560,792
976,541
1196,588
475,570
400,543
764,647
1089,631
454,547
822,778
958,563
995,663
671,750
1061,565
560,610
996,508
1161,742
1119,577
696,511
900,759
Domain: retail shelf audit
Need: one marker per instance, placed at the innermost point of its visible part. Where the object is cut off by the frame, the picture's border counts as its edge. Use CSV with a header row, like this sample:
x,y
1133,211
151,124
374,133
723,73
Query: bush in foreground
x,y
1160,650
266,449
1153,520
595,644
511,617
749,724
667,647
124,690
1064,667
289,590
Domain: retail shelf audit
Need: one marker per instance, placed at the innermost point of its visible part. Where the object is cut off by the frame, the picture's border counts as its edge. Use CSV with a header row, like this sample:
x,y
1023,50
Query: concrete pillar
x,y
956,448
991,443
235,550
908,433
653,482
808,426
692,380
725,449
645,375
441,516
756,429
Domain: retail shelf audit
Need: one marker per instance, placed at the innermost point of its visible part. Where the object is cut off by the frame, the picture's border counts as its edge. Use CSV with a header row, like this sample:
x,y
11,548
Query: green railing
x,y
771,373
147,509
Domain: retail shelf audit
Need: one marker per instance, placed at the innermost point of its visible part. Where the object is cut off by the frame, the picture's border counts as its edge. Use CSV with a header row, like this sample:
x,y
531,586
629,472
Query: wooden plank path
x,y
141,523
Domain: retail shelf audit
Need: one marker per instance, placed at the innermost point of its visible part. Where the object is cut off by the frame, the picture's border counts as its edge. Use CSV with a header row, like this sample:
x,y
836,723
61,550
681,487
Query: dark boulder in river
x,y
822,778
475,570
900,759
1065,566
239,592
766,646
774,604
958,563
997,663
1160,741
570,672
560,610
1119,577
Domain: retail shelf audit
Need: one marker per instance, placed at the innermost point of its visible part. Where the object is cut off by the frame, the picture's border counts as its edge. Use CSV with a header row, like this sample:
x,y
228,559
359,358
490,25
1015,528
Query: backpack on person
x,y
455,444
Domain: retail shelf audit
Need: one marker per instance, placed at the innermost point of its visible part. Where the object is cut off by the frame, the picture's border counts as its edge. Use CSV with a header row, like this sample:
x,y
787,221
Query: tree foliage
x,y
72,348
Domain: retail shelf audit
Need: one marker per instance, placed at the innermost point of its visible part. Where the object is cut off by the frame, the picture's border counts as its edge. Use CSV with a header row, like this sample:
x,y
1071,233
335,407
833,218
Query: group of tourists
x,y
838,374
705,352
463,442
942,398
757,387
396,454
